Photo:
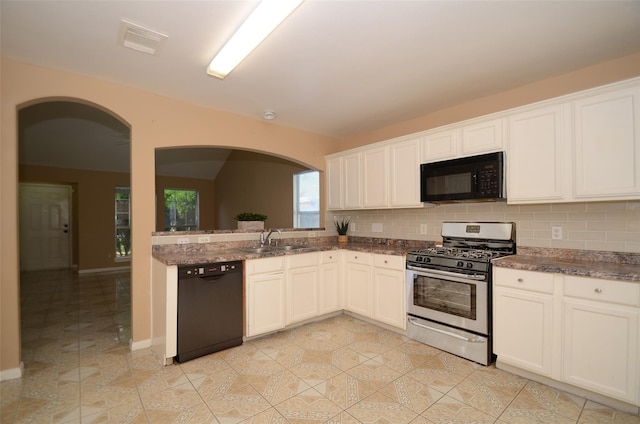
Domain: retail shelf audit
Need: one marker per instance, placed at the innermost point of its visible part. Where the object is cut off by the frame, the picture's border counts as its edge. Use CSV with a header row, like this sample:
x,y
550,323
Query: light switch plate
x,y
376,227
556,233
424,228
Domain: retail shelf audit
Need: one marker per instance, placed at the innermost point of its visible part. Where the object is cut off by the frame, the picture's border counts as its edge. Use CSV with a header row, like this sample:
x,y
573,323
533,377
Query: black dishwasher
x,y
210,311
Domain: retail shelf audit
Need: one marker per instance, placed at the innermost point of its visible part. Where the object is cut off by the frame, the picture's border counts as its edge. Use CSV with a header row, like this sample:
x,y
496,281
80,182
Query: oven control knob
x,y
460,264
469,265
427,260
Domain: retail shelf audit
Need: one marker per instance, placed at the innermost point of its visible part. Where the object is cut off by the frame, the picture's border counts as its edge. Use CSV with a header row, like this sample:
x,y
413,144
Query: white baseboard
x,y
139,345
12,373
104,270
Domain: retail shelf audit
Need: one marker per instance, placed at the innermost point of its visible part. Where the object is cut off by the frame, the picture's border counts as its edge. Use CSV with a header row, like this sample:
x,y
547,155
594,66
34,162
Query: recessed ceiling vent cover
x,y
139,38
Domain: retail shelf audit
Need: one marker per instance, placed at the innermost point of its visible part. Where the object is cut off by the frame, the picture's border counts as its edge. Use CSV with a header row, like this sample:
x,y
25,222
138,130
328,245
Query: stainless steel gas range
x,y
449,288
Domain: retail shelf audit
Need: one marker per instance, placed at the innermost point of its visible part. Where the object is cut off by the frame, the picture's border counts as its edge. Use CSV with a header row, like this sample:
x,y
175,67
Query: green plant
x,y
342,226
250,216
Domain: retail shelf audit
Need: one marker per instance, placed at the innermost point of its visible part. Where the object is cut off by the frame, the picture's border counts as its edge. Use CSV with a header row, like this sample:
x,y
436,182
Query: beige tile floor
x,y
78,369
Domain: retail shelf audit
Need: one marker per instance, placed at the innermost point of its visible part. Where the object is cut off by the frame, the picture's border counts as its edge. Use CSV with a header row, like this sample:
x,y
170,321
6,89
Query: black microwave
x,y
473,178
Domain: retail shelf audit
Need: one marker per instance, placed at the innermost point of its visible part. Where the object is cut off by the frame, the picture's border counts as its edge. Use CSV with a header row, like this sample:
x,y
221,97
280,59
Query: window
x,y
123,222
181,210
306,200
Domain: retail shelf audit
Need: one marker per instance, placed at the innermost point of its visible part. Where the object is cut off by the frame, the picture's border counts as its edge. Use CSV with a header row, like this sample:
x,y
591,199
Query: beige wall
x,y
206,198
253,182
155,122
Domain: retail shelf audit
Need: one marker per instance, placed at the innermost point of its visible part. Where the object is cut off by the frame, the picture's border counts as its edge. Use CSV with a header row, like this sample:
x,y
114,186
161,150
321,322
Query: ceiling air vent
x,y
140,38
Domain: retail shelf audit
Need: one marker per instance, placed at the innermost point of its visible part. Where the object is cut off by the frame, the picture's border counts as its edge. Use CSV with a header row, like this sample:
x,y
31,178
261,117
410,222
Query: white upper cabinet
x,y
380,176
440,145
537,154
482,137
464,139
404,168
607,145
335,182
352,181
375,171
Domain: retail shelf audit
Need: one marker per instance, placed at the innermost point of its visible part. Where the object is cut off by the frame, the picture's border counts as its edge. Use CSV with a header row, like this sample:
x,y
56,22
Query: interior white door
x,y
45,231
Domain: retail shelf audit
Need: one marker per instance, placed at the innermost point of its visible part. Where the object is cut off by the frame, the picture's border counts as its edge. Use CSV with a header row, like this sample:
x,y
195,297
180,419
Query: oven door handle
x,y
472,339
439,273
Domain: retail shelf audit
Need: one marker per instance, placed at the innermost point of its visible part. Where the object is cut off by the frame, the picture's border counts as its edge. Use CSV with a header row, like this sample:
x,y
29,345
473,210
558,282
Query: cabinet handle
x,y
597,290
520,280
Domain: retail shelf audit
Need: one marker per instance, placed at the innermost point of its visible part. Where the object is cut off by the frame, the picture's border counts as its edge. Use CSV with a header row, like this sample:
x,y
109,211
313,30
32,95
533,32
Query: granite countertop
x,y
606,265
179,255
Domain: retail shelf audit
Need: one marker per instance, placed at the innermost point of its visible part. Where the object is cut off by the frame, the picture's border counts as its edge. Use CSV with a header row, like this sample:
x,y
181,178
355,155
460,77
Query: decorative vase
x,y
250,225
343,238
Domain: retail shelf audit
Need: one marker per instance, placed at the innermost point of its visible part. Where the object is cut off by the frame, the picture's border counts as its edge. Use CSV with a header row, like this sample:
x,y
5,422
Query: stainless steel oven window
x,y
450,297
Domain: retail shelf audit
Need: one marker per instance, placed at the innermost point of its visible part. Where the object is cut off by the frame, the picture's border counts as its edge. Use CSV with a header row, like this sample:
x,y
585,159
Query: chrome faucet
x,y
267,240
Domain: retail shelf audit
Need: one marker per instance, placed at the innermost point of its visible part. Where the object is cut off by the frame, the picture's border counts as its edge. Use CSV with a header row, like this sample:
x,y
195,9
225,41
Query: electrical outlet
x,y
424,228
376,227
204,239
352,227
556,233
183,240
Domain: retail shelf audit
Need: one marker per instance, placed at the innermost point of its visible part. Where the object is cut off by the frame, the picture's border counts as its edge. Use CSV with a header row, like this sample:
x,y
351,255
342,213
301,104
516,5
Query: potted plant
x,y
250,221
342,226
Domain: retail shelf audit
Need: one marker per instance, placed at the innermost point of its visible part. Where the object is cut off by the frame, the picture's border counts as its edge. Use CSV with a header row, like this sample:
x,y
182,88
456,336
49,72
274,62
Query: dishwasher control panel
x,y
204,270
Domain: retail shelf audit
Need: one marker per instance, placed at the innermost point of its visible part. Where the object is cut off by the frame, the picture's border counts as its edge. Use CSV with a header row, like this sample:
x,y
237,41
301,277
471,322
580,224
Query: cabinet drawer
x,y
389,261
603,290
303,260
258,266
358,257
541,282
329,257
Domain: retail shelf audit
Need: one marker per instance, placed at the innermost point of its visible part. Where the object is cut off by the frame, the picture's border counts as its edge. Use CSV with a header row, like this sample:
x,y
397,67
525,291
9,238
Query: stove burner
x,y
454,252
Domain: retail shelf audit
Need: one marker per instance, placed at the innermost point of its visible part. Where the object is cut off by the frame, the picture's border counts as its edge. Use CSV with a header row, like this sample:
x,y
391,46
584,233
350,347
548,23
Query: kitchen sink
x,y
291,247
272,249
258,249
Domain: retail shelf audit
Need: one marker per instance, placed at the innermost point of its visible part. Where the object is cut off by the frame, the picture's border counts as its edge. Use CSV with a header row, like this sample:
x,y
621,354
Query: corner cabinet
x,y
265,288
384,175
579,331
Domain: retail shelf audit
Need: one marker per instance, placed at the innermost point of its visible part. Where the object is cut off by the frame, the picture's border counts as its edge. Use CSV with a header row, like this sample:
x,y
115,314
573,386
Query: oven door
x,y
452,298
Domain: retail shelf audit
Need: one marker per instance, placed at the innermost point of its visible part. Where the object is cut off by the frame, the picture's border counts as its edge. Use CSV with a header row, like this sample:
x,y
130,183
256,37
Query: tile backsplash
x,y
606,226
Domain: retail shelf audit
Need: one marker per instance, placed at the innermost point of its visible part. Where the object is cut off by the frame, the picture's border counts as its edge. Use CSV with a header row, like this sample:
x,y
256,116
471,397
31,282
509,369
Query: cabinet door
x,y
440,145
330,299
302,294
607,145
523,329
389,299
404,164
536,158
358,289
352,181
482,137
335,183
374,181
600,348
265,303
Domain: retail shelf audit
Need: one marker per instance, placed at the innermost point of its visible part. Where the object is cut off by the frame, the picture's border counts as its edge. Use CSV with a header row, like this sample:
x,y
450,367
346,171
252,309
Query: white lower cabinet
x,y
389,298
302,287
580,331
357,283
330,290
265,295
600,340
523,319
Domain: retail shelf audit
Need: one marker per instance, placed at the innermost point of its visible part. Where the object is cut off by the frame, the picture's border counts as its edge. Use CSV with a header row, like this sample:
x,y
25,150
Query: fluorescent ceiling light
x,y
262,21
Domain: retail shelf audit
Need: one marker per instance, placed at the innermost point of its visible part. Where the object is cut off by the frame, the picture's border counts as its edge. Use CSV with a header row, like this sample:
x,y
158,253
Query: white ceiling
x,y
333,67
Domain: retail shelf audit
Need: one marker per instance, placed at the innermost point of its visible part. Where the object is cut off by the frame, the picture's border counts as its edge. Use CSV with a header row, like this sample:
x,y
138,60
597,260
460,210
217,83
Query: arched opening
x,y
69,303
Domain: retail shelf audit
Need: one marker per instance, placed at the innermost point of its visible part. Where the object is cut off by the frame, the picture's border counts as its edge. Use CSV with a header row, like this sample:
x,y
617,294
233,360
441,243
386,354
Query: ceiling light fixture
x,y
269,115
262,21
